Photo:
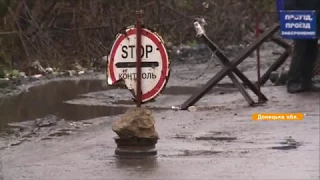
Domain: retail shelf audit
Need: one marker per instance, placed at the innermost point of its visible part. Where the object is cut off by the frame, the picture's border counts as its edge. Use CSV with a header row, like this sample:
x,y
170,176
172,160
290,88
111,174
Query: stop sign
x,y
154,62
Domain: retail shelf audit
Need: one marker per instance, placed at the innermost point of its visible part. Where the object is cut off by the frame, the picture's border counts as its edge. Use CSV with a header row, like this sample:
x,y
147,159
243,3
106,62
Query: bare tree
x,y
61,33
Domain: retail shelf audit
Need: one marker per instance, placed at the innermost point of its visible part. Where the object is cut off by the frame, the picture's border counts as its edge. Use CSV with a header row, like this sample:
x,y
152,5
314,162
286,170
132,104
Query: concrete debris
x,y
192,109
136,123
47,121
71,73
49,70
279,77
37,76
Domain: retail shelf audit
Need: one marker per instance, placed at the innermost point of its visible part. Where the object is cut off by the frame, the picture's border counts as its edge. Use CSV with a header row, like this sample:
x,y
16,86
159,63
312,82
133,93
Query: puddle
x,y
210,136
48,99
78,112
43,100
192,153
199,153
216,136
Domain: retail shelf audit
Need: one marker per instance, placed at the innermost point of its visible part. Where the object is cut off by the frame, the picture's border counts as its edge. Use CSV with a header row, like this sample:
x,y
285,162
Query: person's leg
x,y
301,67
295,71
309,62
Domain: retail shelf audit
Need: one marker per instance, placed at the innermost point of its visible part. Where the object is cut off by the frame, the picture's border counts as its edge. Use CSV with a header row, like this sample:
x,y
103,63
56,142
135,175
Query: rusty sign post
x,y
138,57
139,60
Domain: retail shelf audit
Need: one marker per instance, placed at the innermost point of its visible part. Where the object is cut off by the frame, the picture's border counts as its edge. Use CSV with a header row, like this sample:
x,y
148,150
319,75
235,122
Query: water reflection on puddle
x,y
43,100
48,99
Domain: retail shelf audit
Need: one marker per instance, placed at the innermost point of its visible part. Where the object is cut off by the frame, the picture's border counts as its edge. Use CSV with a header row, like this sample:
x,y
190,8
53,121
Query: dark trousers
x,y
305,54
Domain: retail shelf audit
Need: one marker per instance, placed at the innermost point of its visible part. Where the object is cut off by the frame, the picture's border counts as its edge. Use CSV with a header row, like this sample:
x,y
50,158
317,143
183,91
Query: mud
x,y
71,136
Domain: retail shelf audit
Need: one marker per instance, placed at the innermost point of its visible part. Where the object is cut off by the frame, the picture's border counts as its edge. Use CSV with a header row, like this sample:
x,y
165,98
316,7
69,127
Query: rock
x,y
192,109
46,122
22,74
17,142
87,124
81,72
136,123
37,76
279,78
71,73
49,70
176,108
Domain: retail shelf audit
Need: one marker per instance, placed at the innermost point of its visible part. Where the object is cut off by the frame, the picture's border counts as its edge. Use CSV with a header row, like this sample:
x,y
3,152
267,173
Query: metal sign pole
x,y
138,56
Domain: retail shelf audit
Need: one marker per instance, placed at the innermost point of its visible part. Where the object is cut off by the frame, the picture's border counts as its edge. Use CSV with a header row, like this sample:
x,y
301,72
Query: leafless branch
x,y
61,33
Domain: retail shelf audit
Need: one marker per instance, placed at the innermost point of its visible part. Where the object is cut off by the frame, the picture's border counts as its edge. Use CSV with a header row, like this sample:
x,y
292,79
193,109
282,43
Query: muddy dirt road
x,y
72,136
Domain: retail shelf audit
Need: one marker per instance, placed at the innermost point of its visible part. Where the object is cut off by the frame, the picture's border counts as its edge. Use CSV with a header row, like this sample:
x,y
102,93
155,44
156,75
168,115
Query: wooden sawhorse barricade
x,y
230,67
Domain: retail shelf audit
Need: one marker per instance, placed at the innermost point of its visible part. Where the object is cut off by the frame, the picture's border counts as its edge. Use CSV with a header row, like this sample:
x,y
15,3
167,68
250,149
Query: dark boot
x,y
302,86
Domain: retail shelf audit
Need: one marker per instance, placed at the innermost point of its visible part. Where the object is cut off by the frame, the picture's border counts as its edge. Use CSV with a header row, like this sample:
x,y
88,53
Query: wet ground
x,y
52,99
62,130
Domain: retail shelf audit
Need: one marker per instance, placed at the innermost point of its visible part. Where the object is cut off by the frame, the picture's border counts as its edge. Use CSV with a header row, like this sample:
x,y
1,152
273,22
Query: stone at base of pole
x,y
135,147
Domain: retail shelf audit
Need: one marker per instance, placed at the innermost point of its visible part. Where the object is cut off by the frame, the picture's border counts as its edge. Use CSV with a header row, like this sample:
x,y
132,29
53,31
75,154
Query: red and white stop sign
x,y
154,62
